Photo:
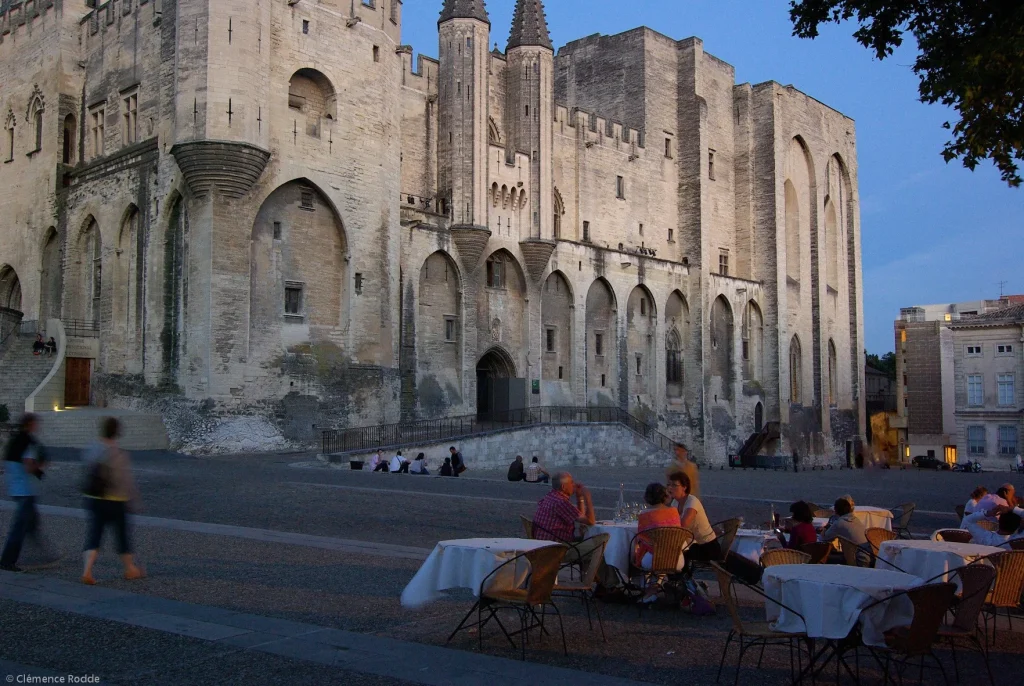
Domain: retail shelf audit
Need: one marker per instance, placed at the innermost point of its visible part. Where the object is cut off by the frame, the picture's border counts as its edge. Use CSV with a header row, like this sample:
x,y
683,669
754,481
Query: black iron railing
x,y
81,328
451,428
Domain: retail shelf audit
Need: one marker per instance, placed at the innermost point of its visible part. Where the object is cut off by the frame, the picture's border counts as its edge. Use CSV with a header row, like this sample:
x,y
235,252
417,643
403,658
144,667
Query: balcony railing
x,y
81,328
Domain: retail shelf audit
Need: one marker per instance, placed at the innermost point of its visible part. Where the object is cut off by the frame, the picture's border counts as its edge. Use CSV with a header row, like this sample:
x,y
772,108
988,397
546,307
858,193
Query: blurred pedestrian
x,y
684,465
110,492
24,460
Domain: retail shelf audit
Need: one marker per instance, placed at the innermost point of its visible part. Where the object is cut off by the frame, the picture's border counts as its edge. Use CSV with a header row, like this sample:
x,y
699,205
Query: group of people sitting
x,y
842,524
399,464
41,347
532,473
1001,508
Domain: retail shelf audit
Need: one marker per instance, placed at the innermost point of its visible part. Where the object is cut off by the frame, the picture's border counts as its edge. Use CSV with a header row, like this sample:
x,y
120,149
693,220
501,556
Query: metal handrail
x,y
81,328
450,428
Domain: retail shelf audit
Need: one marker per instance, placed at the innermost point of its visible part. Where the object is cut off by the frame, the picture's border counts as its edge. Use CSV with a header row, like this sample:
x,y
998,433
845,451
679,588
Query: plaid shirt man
x,y
555,519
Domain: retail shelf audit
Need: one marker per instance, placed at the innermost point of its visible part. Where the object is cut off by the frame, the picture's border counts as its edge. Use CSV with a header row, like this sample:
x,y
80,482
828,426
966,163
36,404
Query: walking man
x,y
23,460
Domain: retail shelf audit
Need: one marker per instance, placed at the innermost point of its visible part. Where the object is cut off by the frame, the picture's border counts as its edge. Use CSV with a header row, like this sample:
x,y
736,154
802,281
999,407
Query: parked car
x,y
926,462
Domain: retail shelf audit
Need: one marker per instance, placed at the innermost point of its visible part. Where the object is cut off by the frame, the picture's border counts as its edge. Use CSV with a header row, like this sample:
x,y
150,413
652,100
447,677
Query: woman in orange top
x,y
660,514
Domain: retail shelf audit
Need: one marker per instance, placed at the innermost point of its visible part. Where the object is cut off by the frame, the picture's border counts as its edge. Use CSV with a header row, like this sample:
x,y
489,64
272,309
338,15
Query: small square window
x,y
668,148
496,272
639,365
723,263
643,306
1004,349
277,231
305,25
293,292
359,283
449,329
711,164
602,381
641,229
376,53
586,232
549,340
746,350
976,440
974,350
620,188
599,345
130,118
306,201
671,236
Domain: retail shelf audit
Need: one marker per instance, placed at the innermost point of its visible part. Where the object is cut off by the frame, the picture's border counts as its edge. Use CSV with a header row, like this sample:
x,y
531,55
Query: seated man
x,y
399,465
515,470
38,346
556,516
1009,525
378,463
51,346
845,524
535,473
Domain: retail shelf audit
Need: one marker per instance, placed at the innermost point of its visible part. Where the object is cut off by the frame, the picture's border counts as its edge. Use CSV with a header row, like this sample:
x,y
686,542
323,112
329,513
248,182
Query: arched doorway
x,y
498,391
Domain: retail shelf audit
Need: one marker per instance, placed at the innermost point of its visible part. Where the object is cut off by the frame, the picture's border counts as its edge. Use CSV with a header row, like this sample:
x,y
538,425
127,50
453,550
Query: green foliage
x,y
971,59
885,363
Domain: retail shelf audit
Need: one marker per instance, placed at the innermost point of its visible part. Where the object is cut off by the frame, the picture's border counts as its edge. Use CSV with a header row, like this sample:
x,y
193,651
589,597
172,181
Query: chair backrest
x,y
953,535
1009,585
976,581
987,525
959,512
876,536
1016,544
666,544
902,514
728,592
818,551
544,565
726,532
931,603
600,542
853,554
784,556
527,526
823,513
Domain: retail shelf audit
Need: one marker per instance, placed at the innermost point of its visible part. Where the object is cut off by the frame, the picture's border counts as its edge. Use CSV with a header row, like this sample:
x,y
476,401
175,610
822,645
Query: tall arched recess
x,y
641,328
298,272
677,329
173,337
557,313
722,343
439,335
602,354
847,207
10,289
753,343
50,277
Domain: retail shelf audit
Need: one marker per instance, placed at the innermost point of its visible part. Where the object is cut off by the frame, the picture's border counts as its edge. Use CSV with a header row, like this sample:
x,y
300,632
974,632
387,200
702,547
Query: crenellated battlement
x,y
600,130
425,74
17,15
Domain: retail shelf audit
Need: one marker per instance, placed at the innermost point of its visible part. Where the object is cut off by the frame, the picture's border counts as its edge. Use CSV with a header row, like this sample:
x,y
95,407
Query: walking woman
x,y
109,492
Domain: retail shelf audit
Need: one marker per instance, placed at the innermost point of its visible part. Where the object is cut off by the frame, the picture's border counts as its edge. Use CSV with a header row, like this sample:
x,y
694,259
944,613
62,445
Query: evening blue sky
x,y
931,232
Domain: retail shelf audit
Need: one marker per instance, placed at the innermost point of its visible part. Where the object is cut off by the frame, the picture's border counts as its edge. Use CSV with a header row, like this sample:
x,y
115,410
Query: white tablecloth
x,y
929,559
465,563
751,543
616,553
831,598
872,517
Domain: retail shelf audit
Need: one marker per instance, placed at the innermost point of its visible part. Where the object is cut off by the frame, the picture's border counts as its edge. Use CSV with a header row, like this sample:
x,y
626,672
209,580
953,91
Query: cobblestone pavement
x,y
359,538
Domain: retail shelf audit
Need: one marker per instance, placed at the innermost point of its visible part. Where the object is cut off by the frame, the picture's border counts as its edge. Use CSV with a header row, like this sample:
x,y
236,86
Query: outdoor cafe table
x,y
749,543
871,517
929,559
831,599
465,563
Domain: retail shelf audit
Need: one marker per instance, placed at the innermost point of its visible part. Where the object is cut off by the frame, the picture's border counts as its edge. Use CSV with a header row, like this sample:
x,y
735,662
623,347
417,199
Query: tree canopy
x,y
971,59
886,363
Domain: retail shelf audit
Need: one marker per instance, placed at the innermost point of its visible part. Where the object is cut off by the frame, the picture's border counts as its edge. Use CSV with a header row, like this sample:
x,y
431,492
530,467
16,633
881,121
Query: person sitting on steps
x,y
536,474
399,465
515,470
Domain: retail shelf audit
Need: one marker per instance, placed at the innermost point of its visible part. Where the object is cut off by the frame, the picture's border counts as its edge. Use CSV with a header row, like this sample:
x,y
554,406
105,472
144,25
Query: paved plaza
x,y
266,569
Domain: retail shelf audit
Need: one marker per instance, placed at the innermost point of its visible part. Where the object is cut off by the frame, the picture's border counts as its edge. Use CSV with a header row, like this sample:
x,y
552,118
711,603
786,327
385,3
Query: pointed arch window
x,y
795,371
674,361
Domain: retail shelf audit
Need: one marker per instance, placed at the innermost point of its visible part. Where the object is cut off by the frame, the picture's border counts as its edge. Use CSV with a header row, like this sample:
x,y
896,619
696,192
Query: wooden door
x,y
77,375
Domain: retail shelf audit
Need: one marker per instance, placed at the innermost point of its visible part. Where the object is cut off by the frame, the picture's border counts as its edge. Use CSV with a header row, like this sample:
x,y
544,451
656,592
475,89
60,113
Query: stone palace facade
x,y
266,206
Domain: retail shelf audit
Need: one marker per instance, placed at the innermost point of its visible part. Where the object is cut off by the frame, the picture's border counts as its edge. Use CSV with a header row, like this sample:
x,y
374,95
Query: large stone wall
x,y
558,446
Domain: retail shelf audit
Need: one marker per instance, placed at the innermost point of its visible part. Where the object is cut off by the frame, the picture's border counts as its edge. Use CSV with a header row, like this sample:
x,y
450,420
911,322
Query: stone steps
x,y
21,373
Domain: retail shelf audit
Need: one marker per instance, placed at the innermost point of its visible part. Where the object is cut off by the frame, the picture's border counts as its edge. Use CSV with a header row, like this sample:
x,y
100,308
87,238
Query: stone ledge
x,y
230,168
470,241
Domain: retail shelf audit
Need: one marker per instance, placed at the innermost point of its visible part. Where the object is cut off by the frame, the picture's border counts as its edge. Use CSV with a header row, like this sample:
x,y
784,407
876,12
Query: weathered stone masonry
x,y
267,207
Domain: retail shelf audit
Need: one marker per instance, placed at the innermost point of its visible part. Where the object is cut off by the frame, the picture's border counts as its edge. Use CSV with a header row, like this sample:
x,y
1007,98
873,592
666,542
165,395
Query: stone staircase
x,y
21,372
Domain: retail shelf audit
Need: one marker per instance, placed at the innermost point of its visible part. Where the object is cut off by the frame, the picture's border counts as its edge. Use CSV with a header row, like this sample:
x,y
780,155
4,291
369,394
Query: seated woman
x,y
660,515
51,346
38,346
976,495
446,468
706,547
419,465
802,530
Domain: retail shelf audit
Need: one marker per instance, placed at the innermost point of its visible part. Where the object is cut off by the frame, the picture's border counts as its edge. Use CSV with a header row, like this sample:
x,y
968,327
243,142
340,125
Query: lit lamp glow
x,y
950,454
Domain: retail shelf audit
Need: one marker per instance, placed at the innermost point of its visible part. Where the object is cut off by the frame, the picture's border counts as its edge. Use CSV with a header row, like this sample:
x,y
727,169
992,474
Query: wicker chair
x,y
1008,588
876,537
1016,544
987,525
901,519
855,555
819,552
527,526
666,544
953,535
784,556
726,533
585,587
544,564
976,581
754,634
931,603
959,512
